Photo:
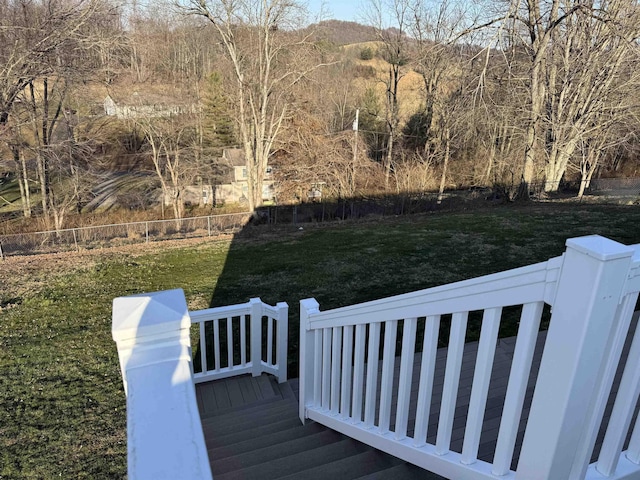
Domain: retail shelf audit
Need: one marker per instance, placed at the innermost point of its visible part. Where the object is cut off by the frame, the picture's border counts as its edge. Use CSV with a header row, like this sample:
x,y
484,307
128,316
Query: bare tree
x,y
390,20
34,36
43,45
576,52
267,59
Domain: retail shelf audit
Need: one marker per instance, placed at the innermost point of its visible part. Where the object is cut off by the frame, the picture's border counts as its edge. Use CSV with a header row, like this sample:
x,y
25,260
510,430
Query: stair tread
x,y
292,464
213,441
222,412
298,431
368,462
274,451
403,471
266,414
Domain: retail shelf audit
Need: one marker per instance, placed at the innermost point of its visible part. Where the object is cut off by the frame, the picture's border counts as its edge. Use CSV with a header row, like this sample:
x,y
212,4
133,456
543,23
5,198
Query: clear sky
x,y
348,10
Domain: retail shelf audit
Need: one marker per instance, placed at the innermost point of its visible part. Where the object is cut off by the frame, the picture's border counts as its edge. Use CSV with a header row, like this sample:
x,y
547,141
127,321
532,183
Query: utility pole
x,y
355,152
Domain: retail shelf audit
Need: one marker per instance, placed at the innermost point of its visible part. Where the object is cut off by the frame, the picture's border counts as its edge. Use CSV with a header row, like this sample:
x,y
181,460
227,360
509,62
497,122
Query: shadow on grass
x,y
290,253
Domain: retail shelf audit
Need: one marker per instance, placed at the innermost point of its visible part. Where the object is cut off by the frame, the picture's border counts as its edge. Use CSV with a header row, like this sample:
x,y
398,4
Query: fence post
x,y
75,240
209,225
146,231
1,253
307,354
283,340
165,437
589,290
256,336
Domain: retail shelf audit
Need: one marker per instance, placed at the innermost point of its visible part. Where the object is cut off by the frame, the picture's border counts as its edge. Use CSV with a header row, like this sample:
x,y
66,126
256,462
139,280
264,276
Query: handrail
x,y
153,334
518,286
164,432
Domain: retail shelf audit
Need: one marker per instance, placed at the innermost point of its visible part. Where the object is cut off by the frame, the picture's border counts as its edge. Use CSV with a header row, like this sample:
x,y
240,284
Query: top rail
x,y
533,283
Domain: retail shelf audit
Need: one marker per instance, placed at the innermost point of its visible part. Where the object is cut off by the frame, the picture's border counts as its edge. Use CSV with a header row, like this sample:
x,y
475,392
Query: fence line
x,y
119,234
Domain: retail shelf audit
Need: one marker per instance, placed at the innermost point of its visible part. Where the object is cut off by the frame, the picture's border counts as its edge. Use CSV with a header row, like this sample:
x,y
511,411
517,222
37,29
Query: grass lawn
x,y
62,406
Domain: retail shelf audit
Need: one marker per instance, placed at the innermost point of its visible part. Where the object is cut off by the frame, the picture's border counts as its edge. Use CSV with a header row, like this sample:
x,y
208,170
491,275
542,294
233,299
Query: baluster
x,y
372,375
427,371
633,451
451,381
269,341
230,342
282,336
216,343
336,350
386,387
243,340
623,408
517,386
406,371
203,348
317,368
326,367
345,388
480,385
358,373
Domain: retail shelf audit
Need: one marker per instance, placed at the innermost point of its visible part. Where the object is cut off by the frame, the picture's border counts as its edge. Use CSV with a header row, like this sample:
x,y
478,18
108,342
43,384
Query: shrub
x,y
366,53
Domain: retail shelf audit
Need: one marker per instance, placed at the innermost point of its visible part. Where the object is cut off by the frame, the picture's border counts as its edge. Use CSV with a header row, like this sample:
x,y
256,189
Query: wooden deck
x,y
255,394
232,393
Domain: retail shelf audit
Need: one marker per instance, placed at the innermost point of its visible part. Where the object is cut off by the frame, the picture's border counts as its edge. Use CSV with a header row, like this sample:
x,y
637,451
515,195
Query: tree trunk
x,y
445,163
23,180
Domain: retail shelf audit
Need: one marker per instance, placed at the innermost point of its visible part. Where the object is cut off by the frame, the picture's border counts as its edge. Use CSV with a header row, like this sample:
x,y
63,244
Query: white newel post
x,y
256,336
282,339
164,432
589,290
307,354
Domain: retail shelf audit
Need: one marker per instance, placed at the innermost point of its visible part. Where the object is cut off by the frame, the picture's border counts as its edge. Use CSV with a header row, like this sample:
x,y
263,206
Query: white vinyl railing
x,y
246,338
349,380
153,334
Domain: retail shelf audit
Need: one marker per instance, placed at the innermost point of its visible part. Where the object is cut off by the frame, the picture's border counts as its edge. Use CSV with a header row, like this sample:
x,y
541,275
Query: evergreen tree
x,y
218,125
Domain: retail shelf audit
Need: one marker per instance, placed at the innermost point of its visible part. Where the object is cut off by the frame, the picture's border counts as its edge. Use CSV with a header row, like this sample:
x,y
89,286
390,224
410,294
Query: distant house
x,y
192,194
234,186
146,110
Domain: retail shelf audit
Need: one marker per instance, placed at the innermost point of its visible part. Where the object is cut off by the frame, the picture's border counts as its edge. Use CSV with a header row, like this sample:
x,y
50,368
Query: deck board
x,y
232,393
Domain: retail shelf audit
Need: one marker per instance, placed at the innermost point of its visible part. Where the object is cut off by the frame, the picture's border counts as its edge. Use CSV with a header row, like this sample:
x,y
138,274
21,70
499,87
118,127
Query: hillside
x,y
340,32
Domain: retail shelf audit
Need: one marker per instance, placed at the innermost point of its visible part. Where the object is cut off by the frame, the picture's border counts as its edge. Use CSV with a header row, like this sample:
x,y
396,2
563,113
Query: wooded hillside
x,y
523,97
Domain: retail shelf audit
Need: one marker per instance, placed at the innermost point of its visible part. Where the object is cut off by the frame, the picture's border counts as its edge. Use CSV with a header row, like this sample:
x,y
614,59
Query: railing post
x,y
589,290
164,432
283,340
307,354
256,336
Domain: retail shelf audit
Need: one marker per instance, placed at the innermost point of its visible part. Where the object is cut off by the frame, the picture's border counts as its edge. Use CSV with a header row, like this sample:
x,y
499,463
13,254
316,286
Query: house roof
x,y
235,157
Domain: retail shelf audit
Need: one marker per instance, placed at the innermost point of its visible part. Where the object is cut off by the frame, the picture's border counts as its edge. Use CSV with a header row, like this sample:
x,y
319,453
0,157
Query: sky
x,y
348,10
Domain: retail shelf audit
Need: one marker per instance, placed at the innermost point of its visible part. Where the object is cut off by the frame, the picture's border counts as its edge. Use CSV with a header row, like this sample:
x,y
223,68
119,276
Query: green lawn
x,y
62,406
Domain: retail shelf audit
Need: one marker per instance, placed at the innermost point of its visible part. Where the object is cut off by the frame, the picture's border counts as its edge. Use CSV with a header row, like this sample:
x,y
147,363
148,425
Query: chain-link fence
x,y
615,187
120,234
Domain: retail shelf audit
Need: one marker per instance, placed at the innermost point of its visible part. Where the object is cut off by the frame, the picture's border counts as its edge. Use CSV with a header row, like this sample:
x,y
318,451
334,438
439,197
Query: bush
x,y
366,53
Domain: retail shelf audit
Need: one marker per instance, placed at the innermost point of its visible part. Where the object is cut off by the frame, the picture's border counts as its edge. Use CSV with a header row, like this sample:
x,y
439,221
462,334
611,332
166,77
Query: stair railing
x,y
247,338
349,379
154,333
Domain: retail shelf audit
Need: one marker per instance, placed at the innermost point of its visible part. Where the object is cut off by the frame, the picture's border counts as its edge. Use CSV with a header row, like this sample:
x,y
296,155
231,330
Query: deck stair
x,y
252,431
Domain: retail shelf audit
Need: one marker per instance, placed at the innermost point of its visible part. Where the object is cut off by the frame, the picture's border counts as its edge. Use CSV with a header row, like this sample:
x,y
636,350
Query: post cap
x,y
599,247
148,314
